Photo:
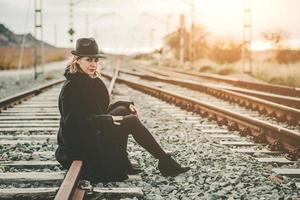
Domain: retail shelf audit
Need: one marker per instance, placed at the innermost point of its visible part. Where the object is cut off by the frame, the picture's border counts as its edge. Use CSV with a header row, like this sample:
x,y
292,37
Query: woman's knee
x,y
130,120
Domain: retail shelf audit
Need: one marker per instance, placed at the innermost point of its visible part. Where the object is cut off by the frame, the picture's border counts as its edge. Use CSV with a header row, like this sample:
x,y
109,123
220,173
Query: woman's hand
x,y
117,119
133,109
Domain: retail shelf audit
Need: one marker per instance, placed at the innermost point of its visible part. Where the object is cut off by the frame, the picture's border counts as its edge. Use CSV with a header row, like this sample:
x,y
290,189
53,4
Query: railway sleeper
x,y
248,104
232,126
80,193
255,106
271,112
289,146
244,131
258,137
281,117
274,144
69,184
262,110
293,151
222,121
276,161
212,117
292,120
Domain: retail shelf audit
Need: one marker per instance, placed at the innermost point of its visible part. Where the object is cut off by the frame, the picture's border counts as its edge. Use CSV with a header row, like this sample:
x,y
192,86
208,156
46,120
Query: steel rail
x,y
18,98
69,187
278,138
266,87
285,100
280,112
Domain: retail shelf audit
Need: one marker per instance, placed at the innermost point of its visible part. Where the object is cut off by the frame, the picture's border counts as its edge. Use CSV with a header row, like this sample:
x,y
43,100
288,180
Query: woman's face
x,y
88,64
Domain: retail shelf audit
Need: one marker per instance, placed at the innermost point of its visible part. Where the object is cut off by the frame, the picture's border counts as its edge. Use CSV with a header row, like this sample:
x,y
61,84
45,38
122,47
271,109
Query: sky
x,y
139,25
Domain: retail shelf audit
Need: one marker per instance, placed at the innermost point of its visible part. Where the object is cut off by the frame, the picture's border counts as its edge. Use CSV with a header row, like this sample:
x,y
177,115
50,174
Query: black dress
x,y
85,129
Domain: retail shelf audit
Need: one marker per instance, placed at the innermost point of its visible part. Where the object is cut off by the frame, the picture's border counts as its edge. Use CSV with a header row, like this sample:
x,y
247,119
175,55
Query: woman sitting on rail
x,y
95,132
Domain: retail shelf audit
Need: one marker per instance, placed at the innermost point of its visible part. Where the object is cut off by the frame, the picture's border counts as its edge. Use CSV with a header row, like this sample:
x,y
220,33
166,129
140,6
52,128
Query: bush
x,y
226,71
9,57
287,56
225,52
206,68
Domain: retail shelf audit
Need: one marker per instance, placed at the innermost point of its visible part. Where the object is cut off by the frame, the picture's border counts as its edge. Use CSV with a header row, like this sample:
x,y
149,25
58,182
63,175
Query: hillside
x,y
10,39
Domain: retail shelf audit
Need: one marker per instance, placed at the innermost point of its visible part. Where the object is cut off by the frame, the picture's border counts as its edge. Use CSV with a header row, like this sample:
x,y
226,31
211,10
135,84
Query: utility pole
x,y
71,29
191,40
38,26
247,38
181,40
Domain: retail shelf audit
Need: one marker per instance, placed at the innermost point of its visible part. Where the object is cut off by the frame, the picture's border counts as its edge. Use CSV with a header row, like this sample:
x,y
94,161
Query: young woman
x,y
95,132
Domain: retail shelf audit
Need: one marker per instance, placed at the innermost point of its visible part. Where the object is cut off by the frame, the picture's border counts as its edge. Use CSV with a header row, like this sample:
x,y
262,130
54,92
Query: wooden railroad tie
x,y
69,187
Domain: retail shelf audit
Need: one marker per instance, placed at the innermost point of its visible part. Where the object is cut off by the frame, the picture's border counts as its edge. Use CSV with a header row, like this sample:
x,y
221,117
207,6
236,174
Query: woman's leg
x,y
132,125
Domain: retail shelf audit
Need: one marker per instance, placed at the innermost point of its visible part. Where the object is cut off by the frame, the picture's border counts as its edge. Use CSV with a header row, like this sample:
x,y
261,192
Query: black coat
x,y
85,129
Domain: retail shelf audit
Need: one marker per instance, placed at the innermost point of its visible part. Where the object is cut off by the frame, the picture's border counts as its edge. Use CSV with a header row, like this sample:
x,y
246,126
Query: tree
x,y
283,54
199,42
276,38
225,51
200,45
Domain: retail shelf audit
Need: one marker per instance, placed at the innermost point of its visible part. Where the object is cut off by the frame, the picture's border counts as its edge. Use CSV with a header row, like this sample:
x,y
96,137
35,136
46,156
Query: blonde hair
x,y
73,67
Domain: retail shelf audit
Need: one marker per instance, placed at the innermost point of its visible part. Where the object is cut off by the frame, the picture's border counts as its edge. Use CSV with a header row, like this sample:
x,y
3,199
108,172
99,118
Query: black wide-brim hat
x,y
87,47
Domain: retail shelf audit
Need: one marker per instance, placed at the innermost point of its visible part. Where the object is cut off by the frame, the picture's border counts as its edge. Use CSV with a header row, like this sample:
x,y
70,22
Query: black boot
x,y
169,167
132,169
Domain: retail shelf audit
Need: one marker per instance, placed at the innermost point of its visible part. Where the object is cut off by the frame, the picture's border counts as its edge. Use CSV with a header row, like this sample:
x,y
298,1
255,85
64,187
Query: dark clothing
x,y
132,125
87,131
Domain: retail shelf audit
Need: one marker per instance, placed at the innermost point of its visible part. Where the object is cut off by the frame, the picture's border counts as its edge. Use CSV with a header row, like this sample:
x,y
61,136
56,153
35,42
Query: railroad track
x,y
201,109
277,111
28,126
45,151
284,95
271,88
277,138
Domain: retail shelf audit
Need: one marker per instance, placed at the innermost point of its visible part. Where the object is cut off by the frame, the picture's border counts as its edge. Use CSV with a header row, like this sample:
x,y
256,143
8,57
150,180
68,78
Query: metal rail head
x,y
67,190
15,99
